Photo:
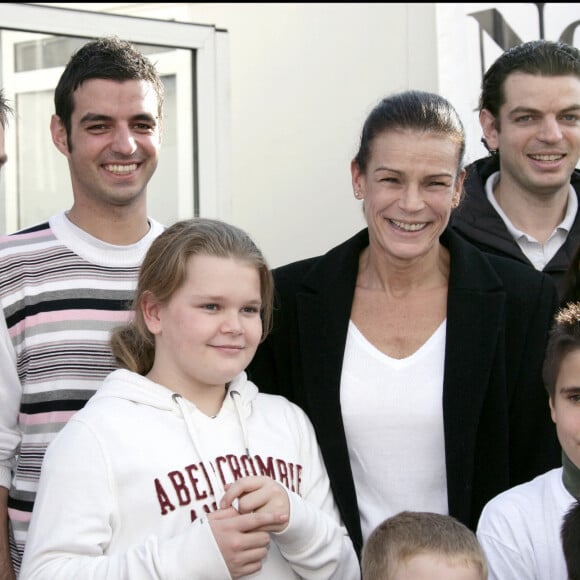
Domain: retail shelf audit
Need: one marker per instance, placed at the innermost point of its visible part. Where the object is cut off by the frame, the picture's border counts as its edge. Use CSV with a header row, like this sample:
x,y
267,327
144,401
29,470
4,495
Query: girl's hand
x,y
242,538
259,494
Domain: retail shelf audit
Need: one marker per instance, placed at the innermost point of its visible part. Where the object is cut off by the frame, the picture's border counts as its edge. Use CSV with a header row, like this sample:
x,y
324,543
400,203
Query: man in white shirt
x,y
522,200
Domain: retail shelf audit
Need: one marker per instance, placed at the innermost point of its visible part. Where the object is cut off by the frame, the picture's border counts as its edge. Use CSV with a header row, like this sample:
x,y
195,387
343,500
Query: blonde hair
x,y
407,534
164,270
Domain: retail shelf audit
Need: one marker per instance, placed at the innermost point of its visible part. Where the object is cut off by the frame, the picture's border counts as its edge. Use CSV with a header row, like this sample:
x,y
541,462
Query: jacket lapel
x,y
323,316
475,311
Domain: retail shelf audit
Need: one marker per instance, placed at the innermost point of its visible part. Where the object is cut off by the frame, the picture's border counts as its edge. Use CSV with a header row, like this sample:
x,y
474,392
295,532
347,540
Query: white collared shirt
x,y
538,254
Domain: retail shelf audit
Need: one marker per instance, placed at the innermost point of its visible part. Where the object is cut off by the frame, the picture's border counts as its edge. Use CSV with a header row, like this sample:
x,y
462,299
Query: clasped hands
x,y
243,532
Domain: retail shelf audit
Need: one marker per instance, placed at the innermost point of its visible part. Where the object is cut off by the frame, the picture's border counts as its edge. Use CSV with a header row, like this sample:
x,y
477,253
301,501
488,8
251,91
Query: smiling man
x,y
65,283
522,200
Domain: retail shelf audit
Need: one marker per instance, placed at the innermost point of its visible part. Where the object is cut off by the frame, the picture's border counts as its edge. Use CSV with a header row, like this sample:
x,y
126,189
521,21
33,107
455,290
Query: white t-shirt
x,y
393,418
519,530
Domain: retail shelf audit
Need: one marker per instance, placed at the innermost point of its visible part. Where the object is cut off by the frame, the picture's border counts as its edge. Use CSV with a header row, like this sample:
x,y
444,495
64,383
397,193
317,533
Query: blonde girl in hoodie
x,y
178,468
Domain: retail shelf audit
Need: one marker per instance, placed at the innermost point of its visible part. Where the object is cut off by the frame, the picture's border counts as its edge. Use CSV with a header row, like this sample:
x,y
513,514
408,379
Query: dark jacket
x,y
498,430
478,222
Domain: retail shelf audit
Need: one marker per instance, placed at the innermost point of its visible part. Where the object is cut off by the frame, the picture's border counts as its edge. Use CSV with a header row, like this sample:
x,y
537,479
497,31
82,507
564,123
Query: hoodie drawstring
x,y
215,482
236,398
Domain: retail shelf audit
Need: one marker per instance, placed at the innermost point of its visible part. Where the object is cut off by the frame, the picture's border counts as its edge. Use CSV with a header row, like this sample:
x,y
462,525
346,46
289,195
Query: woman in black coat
x,y
417,357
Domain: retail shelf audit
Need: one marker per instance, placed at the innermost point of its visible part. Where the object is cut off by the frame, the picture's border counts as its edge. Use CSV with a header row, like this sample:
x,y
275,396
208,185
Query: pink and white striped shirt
x,y
61,293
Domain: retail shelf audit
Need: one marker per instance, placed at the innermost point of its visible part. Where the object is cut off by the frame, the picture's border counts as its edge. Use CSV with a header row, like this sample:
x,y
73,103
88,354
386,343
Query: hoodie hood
x,y
237,405
124,384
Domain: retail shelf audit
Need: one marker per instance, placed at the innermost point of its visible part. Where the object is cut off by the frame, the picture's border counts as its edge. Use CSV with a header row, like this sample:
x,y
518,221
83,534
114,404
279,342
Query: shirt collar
x,y
565,225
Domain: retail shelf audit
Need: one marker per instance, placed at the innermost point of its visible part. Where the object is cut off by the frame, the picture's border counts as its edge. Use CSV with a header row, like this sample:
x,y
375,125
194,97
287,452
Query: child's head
x,y
561,374
165,269
421,546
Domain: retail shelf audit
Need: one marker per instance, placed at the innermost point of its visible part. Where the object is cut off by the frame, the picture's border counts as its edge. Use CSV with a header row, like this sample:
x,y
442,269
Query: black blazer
x,y
498,430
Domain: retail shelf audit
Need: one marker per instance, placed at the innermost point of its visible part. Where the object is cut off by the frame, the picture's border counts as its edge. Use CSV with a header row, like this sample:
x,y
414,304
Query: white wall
x,y
303,78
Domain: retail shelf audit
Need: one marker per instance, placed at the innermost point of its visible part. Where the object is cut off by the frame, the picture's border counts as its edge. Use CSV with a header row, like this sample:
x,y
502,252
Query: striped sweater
x,y
61,292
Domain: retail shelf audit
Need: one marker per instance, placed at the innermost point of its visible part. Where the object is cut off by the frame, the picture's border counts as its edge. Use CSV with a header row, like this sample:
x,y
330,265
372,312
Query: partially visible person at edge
x,y
522,200
5,112
422,546
178,467
520,529
66,282
570,533
417,356
571,292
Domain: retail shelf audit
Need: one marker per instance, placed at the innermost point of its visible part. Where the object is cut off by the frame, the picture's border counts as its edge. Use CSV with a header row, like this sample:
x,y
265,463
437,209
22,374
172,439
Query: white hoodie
x,y
126,484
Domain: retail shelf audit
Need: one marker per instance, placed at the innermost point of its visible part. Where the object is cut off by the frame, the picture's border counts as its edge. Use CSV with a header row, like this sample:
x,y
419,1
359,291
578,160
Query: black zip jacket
x,y
478,222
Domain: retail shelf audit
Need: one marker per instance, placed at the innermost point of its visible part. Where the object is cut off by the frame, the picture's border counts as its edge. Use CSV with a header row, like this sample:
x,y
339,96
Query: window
x,y
35,44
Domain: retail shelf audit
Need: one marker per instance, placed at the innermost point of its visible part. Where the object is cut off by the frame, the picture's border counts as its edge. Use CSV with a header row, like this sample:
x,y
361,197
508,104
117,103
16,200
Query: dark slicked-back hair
x,y
537,57
103,58
416,110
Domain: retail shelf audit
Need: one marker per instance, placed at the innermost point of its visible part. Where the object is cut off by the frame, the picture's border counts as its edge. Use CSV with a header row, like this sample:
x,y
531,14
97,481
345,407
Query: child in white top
x,y
520,528
178,467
